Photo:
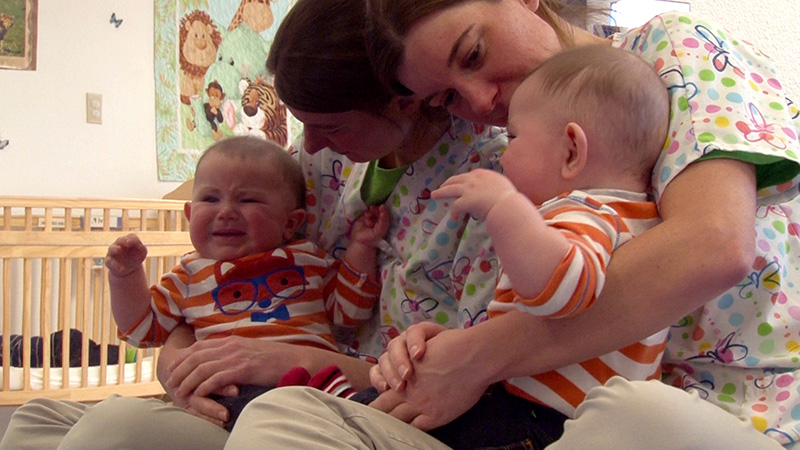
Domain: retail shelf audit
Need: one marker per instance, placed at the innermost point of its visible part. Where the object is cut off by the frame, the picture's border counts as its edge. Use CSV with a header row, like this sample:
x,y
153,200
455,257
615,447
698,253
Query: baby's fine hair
x,y
255,148
617,94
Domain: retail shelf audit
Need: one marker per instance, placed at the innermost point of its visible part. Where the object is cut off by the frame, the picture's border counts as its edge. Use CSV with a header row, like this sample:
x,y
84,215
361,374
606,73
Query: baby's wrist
x,y
122,274
503,197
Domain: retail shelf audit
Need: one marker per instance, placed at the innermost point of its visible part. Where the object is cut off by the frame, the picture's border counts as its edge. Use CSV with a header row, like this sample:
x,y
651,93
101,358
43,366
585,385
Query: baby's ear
x,y
187,210
577,151
293,222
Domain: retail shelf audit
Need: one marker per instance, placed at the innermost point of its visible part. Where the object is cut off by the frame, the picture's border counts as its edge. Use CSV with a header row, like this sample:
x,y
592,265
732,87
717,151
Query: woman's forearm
x,y
704,246
214,364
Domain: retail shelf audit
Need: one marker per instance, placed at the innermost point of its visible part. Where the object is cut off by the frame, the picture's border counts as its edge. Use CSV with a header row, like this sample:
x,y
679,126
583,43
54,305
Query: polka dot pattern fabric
x,y
433,267
742,350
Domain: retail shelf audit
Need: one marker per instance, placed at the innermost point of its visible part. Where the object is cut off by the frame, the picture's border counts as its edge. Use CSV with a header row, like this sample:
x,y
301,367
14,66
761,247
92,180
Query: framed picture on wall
x,y
18,34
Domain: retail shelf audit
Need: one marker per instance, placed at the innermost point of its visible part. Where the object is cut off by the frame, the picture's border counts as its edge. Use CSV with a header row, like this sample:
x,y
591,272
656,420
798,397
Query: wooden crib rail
x,y
53,279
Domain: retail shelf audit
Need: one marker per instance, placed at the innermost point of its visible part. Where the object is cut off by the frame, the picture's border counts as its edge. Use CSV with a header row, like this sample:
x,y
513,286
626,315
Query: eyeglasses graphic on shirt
x,y
237,296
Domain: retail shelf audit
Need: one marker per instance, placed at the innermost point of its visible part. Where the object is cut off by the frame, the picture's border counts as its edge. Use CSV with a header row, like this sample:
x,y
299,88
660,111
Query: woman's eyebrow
x,y
457,44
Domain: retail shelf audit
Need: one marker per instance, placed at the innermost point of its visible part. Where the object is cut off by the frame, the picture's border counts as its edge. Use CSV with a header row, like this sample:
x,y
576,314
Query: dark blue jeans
x,y
499,420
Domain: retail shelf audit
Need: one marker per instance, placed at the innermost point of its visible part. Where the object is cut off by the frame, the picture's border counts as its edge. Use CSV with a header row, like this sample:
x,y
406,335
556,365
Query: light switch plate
x,y
94,108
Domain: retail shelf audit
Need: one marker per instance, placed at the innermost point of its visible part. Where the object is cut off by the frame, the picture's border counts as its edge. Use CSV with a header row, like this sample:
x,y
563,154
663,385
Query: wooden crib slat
x,y
85,394
97,240
38,251
138,366
48,219
87,219
26,322
106,219
28,218
44,319
84,309
6,218
64,297
67,219
59,244
102,313
110,328
97,203
6,320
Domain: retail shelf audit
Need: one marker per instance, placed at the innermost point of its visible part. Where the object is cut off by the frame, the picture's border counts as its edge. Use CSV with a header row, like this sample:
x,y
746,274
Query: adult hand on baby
x,y
395,365
174,349
212,365
125,255
445,384
204,407
475,192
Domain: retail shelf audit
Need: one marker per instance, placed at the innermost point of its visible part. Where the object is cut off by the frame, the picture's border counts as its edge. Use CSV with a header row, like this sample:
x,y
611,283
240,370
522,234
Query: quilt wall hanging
x,y
211,78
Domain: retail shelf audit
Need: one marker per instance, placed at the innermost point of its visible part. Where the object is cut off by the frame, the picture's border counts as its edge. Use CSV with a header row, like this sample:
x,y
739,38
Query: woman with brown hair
x,y
731,158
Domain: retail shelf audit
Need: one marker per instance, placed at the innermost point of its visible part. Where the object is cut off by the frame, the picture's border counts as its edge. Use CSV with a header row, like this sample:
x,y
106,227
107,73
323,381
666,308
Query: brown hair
x,y
254,148
320,62
388,22
618,97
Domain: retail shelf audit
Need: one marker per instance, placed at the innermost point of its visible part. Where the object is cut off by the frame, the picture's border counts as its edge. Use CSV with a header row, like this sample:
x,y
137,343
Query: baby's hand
x,y
371,226
474,192
125,255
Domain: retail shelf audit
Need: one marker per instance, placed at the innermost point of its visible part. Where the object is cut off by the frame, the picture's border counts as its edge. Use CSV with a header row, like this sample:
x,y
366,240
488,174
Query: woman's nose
x,y
314,142
479,96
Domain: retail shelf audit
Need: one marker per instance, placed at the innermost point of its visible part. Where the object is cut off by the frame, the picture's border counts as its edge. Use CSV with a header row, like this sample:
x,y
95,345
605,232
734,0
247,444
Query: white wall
x,y
53,151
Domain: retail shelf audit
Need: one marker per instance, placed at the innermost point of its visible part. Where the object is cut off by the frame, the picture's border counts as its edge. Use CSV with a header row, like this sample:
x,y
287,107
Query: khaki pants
x,y
306,418
636,415
114,423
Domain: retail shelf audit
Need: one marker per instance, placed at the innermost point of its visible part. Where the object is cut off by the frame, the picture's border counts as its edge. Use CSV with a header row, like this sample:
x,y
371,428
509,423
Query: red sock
x,y
297,376
332,380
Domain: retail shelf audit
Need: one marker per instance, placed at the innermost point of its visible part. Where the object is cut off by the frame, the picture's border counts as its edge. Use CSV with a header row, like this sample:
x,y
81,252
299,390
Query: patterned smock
x,y
740,351
432,268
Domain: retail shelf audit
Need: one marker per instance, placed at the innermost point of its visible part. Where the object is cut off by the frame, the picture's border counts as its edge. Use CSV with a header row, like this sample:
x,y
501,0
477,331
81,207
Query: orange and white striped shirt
x,y
289,294
596,222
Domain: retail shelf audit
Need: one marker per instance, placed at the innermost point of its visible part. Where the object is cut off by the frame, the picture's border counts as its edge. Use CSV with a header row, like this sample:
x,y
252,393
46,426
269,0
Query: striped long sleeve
x,y
596,223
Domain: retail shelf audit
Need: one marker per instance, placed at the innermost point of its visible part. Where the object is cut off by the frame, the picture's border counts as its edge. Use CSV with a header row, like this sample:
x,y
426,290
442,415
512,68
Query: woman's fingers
x,y
208,409
395,363
195,364
376,378
394,404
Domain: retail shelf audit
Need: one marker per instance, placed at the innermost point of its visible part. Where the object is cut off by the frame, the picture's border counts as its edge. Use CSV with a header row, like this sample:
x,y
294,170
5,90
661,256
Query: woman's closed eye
x,y
474,58
445,99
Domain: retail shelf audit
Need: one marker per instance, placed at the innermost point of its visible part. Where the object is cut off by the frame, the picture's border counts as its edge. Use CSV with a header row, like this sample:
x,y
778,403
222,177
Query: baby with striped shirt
x,y
247,276
585,131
